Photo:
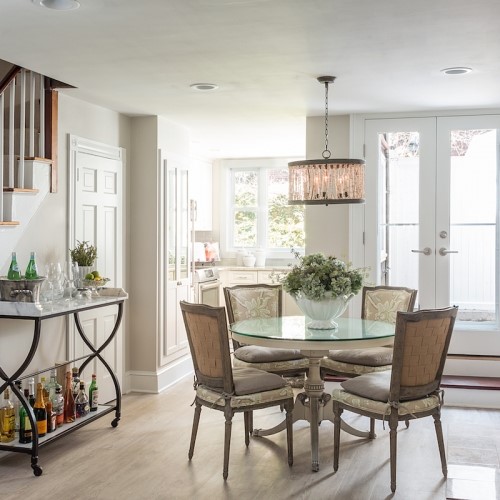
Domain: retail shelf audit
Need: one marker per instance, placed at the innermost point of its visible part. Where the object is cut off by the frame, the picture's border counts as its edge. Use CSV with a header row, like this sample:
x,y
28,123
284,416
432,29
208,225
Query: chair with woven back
x,y
411,389
378,303
221,386
261,301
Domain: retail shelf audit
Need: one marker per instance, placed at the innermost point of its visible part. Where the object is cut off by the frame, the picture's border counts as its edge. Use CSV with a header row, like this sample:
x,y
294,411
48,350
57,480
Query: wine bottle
x,y
51,416
45,393
14,273
93,394
25,433
82,402
69,401
16,404
7,419
31,389
32,270
58,406
40,412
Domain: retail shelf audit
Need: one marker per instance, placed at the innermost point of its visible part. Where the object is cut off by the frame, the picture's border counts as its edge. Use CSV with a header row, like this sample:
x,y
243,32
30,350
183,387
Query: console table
x,y
27,311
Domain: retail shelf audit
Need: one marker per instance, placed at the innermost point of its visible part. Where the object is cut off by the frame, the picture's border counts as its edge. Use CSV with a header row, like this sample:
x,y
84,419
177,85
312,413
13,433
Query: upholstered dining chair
x,y
221,386
411,389
261,301
379,303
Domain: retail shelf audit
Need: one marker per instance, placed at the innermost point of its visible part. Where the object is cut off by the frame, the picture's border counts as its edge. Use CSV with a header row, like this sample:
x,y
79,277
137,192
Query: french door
x,y
431,217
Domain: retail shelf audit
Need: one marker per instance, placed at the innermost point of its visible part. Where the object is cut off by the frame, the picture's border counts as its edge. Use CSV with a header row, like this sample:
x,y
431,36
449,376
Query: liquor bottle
x,y
25,434
69,401
32,270
75,384
58,406
14,273
82,402
16,404
45,393
7,419
52,384
51,416
40,412
93,394
31,391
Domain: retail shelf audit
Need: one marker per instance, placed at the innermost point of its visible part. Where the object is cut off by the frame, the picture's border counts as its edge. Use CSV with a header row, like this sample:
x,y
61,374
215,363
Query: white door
x,y
435,226
95,185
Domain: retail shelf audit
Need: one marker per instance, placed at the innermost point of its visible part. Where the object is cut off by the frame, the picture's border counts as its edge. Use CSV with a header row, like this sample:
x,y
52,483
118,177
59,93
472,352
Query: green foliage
x,y
286,223
318,277
84,253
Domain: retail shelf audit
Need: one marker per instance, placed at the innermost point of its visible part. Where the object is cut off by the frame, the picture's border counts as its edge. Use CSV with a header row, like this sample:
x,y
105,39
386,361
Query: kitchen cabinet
x,y
241,276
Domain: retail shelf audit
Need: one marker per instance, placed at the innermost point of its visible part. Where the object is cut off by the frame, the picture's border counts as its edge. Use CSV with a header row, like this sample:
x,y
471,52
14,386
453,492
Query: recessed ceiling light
x,y
204,87
457,70
58,4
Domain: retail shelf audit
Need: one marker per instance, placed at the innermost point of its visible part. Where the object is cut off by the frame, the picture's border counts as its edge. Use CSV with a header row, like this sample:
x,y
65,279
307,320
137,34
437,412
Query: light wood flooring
x,y
145,457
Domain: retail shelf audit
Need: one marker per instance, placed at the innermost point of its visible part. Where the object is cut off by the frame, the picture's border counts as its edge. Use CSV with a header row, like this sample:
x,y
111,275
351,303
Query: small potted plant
x,y
84,254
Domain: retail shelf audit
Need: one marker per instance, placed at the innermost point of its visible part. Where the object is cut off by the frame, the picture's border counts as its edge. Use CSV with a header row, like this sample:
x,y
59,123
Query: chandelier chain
x,y
326,152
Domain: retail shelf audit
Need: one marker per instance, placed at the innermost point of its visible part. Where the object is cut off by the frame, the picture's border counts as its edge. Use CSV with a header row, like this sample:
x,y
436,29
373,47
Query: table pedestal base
x,y
312,406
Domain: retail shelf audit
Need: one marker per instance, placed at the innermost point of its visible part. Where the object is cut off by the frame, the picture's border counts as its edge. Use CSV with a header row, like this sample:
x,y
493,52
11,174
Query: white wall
x,y
47,233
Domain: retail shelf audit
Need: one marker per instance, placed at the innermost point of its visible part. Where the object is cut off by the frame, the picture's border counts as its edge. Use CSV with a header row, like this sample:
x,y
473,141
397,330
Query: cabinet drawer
x,y
265,277
241,277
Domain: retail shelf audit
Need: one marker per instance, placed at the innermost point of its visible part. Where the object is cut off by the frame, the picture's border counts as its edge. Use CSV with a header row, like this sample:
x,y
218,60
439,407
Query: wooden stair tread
x,y
19,190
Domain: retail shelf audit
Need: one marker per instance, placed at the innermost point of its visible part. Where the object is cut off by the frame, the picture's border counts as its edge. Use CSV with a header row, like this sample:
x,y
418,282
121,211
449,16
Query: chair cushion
x,y
251,380
349,369
258,354
414,407
373,356
285,367
371,385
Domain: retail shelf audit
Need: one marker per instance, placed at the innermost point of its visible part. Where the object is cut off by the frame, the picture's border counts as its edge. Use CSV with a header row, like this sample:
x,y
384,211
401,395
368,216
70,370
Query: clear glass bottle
x,y
51,385
25,432
82,402
14,273
31,391
17,404
58,406
32,269
75,382
40,412
7,419
69,401
93,394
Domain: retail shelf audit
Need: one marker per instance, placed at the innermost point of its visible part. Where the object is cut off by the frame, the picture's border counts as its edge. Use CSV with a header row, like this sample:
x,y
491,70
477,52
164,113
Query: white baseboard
x,y
155,382
474,398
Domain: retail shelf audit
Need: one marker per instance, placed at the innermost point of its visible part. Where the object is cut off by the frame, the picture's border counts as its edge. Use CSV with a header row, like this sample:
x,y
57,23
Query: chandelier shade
x,y
326,181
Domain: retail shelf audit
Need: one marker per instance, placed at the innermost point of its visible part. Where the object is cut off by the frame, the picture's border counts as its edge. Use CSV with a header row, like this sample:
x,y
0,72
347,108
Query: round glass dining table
x,y
291,332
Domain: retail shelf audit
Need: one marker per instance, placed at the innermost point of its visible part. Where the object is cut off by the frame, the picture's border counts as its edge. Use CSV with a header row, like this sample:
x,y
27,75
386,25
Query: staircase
x,y
28,149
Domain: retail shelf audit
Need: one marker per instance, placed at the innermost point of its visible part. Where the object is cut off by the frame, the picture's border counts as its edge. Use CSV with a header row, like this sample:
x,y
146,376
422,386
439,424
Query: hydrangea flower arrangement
x,y
318,277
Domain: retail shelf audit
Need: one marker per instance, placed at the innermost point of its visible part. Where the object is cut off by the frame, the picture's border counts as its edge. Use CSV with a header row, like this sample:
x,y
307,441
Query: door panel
x,y
435,227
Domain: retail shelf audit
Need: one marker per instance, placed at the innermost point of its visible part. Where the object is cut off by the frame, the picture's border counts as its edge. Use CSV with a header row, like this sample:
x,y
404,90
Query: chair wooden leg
x,y
227,444
246,418
372,434
337,412
440,440
250,422
393,435
194,431
289,431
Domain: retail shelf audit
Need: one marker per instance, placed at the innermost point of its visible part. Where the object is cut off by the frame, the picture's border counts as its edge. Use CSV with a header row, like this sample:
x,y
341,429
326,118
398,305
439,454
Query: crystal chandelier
x,y
326,181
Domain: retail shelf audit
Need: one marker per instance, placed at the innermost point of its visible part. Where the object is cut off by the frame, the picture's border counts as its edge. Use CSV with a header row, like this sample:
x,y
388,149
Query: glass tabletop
x,y
293,328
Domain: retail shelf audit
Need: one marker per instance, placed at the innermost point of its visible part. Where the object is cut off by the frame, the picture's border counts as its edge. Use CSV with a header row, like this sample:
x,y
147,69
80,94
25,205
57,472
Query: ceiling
x,y
140,57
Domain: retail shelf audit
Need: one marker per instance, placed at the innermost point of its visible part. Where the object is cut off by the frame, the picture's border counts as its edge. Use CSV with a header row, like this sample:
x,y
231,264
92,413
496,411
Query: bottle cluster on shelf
x,y
51,406
31,273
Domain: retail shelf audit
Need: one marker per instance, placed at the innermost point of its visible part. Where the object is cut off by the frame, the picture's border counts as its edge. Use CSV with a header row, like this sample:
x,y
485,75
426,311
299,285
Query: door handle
x,y
444,252
425,251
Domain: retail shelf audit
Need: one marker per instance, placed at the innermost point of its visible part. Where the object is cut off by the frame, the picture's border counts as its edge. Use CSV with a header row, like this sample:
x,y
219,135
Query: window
x,y
258,214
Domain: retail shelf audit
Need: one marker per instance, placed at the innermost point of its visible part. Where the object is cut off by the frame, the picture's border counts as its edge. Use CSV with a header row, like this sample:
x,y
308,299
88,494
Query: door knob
x,y
444,252
425,251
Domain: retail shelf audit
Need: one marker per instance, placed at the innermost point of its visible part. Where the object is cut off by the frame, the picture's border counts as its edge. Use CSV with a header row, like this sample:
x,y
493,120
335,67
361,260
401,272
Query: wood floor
x,y
145,457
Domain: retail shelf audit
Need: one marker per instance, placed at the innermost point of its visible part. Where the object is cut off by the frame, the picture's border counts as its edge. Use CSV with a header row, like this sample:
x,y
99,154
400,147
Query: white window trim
x,y
225,183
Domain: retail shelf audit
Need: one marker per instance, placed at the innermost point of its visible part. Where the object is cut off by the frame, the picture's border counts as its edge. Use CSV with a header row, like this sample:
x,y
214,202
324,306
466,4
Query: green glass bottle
x,y
31,271
93,394
24,422
14,273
